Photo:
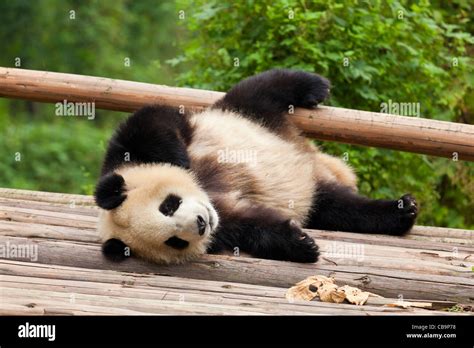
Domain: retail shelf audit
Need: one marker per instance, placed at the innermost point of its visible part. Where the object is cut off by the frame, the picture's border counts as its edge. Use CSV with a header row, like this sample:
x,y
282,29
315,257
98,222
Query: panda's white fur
x,y
286,186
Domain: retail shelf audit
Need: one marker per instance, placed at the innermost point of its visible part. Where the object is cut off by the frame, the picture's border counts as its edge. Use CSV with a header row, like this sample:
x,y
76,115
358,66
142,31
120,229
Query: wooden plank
x,y
438,259
49,201
51,197
413,134
407,241
444,232
384,281
50,206
43,230
402,303
75,291
23,308
127,279
335,251
156,289
47,217
383,258
139,306
65,216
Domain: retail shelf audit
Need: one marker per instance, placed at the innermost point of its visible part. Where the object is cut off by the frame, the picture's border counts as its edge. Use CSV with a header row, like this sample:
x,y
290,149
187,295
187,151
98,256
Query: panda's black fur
x,y
161,134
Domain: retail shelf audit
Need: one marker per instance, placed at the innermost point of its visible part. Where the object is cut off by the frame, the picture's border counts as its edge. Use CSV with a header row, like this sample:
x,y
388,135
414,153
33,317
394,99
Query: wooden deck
x,y
70,276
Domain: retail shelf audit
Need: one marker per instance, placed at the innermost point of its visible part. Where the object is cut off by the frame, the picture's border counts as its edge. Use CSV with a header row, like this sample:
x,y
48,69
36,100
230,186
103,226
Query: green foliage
x,y
84,37
89,37
372,52
60,156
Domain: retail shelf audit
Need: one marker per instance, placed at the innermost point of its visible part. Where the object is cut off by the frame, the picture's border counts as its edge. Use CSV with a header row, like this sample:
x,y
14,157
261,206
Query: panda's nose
x,y
201,223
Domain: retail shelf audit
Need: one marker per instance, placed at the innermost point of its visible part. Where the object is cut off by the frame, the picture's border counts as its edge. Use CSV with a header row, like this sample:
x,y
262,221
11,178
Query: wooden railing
x,y
413,134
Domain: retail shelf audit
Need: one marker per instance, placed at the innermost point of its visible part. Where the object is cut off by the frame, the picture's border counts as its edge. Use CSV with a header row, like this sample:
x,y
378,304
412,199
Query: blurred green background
x,y
402,51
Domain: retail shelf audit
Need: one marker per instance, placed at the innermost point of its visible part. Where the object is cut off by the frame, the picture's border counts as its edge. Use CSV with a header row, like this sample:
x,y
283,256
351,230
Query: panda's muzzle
x,y
177,243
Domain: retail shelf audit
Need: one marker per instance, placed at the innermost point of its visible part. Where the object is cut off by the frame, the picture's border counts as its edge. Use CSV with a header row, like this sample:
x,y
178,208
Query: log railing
x,y
420,135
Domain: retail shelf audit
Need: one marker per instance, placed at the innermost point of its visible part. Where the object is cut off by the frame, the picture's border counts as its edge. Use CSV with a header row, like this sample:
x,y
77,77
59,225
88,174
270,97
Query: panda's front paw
x,y
313,89
407,211
301,247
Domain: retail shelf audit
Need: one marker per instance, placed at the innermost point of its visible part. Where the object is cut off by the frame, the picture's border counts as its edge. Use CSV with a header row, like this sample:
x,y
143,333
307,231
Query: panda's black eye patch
x,y
170,205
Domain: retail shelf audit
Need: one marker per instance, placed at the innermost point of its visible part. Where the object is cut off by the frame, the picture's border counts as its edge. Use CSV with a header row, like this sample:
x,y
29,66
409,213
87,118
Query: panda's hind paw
x,y
407,211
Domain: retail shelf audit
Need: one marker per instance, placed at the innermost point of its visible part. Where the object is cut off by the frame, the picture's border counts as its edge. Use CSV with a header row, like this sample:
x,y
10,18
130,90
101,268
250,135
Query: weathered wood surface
x,y
35,288
84,205
413,134
62,226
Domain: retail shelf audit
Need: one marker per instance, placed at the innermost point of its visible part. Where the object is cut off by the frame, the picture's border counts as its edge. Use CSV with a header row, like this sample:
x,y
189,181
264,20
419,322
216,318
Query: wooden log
x,y
61,309
91,276
409,241
33,223
49,206
334,251
37,230
31,205
382,254
156,302
412,134
127,279
386,281
124,288
404,303
139,306
383,251
82,204
47,217
175,297
47,197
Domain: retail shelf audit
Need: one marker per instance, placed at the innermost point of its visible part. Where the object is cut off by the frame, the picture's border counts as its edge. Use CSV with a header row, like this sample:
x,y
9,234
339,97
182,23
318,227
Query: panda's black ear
x,y
116,250
110,191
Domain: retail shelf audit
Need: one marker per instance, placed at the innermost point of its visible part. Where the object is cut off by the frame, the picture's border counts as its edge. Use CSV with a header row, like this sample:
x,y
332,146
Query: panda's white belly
x,y
283,171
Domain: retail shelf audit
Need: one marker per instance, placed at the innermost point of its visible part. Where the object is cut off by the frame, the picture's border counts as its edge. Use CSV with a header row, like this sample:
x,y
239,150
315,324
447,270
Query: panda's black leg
x,y
267,97
339,208
282,240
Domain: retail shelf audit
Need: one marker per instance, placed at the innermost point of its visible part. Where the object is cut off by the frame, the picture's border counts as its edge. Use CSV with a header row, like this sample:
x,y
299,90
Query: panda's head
x,y
157,212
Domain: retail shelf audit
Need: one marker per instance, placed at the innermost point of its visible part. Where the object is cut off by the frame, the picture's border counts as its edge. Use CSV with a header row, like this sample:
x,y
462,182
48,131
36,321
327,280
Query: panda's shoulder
x,y
153,134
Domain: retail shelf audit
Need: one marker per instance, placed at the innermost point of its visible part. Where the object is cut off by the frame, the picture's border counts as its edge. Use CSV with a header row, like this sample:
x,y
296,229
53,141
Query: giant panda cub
x,y
173,185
